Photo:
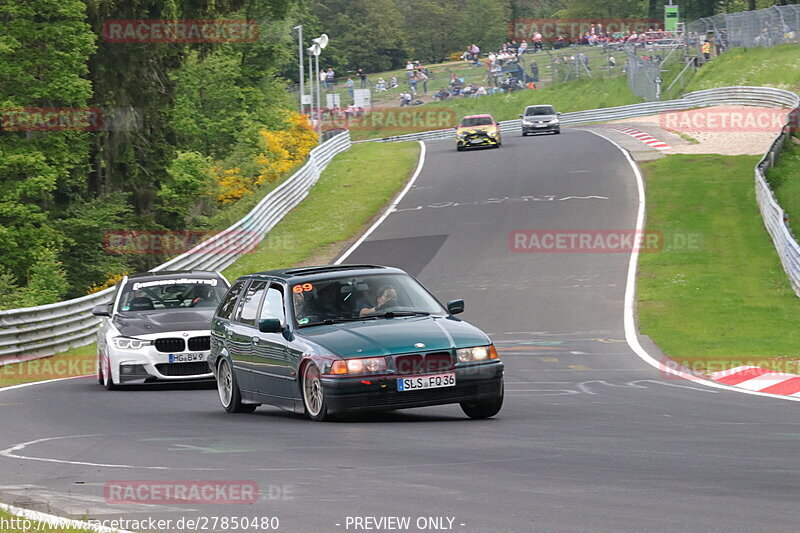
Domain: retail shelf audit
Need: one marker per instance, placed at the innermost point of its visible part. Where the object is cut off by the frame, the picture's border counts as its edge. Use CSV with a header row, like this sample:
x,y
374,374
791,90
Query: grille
x,y
423,363
199,344
170,344
183,369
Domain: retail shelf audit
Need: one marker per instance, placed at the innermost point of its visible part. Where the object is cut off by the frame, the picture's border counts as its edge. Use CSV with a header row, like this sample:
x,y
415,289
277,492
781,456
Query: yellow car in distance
x,y
477,130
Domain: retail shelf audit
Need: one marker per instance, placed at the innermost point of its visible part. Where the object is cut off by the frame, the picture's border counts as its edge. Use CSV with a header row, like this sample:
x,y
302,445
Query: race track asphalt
x,y
590,439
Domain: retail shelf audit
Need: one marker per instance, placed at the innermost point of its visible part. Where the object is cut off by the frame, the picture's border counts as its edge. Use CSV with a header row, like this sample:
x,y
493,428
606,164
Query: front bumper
x,y
352,394
148,364
540,128
477,140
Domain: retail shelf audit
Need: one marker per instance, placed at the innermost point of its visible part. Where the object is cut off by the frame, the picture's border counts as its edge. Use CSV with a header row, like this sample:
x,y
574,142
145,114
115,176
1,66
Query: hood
x,y
387,336
540,118
131,324
476,129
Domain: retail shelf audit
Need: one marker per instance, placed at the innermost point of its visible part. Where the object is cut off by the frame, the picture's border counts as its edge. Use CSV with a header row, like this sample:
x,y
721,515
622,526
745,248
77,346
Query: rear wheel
x,y
100,369
484,408
314,394
459,148
229,394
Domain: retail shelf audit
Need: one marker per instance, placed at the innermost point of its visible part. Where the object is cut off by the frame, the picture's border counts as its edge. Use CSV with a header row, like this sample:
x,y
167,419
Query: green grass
x,y
19,523
727,301
774,67
75,362
356,185
565,97
784,178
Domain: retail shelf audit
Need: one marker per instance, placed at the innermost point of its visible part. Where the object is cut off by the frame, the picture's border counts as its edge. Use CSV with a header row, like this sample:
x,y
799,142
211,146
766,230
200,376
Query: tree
x,y
44,46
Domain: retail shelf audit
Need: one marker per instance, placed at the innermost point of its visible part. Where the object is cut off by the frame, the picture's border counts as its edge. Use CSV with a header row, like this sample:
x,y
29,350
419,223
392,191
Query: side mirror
x,y
558,114
455,306
270,325
522,116
101,310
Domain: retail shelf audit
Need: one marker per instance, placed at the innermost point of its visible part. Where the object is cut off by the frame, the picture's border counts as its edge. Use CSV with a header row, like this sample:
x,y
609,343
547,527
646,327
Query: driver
x,y
385,297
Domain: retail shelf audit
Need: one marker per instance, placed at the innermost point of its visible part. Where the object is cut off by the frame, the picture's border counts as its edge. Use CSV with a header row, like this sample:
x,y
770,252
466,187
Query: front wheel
x,y
524,133
460,148
484,408
108,380
229,394
314,394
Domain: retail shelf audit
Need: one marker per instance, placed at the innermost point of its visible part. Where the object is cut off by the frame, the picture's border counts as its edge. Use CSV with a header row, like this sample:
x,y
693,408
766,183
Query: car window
x,y
543,110
476,121
159,294
228,303
251,300
273,304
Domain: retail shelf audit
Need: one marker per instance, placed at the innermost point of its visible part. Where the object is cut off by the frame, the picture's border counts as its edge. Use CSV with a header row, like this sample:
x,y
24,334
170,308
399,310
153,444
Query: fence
x,y
56,327
774,217
763,27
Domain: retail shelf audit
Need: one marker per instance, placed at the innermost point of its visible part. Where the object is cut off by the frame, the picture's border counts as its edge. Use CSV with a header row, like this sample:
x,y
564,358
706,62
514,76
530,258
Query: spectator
x,y
442,94
424,79
350,87
706,50
412,83
522,47
393,82
362,74
380,86
330,78
535,71
323,79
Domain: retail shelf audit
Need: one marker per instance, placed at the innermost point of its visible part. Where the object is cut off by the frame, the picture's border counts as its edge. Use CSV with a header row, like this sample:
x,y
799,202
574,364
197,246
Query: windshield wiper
x,y
392,314
329,321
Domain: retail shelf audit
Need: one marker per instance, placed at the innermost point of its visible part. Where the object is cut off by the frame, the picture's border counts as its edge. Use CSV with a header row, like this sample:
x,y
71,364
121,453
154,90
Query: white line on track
x,y
631,333
389,209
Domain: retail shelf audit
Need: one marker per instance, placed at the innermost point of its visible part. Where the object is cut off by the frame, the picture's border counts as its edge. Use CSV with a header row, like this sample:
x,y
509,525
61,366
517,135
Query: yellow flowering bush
x,y
279,151
111,280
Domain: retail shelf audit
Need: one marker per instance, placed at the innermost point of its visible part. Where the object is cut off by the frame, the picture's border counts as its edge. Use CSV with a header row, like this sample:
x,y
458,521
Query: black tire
x,y
108,380
460,148
524,133
484,408
314,401
100,370
558,132
228,390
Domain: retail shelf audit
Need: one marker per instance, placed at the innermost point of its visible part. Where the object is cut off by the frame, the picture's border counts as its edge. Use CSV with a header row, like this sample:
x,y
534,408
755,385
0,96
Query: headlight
x,y
478,353
554,121
369,365
129,343
460,135
492,134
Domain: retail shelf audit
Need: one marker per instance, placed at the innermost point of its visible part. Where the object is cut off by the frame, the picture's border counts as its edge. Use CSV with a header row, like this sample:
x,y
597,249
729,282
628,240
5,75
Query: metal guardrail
x,y
774,217
48,329
771,211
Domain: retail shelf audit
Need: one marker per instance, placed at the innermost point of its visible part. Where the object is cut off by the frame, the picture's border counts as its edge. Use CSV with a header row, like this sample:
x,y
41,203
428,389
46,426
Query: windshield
x,y
542,110
160,294
476,121
361,298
